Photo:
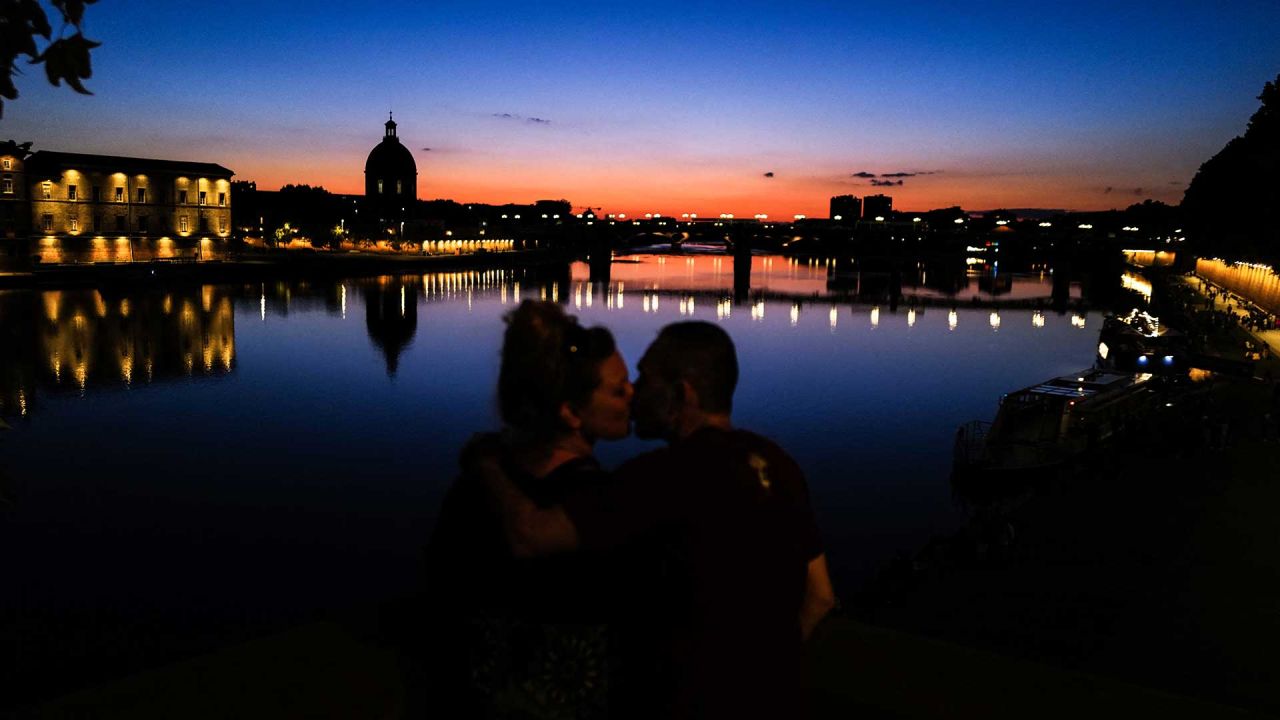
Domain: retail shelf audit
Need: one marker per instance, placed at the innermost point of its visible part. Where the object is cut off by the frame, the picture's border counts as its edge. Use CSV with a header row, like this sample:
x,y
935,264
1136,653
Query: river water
x,y
190,464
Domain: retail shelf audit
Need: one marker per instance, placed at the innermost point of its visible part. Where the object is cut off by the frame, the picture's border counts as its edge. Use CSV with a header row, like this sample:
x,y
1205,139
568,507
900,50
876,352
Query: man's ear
x,y
687,396
569,417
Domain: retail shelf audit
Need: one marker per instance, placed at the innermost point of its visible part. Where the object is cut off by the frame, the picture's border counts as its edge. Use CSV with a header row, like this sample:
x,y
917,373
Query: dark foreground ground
x,y
1146,582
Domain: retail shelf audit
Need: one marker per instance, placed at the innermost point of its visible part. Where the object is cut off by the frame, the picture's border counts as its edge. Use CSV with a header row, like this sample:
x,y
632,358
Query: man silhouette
x,y
744,578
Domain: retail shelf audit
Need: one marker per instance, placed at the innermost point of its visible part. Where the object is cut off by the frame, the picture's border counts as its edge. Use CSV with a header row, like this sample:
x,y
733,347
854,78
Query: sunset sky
x,y
678,107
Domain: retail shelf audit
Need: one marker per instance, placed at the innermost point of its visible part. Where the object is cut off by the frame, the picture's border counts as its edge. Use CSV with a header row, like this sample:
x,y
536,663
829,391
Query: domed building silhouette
x,y
390,180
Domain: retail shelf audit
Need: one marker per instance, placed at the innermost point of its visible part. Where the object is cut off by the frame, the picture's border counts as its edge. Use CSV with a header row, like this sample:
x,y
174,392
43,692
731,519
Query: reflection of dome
x,y
391,177
391,317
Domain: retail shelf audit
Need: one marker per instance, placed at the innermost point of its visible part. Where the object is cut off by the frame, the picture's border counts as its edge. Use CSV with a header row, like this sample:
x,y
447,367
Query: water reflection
x,y
82,340
867,280
391,315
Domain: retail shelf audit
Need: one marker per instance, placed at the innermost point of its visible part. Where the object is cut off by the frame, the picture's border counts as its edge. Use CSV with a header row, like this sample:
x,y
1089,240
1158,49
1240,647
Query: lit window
x,y
222,225
71,192
46,223
182,197
119,194
8,185
47,189
379,186
74,224
222,199
203,197
142,195
182,223
399,187
8,163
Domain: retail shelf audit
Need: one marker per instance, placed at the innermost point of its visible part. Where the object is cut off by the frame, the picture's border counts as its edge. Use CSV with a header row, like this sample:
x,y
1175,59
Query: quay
x,y
267,266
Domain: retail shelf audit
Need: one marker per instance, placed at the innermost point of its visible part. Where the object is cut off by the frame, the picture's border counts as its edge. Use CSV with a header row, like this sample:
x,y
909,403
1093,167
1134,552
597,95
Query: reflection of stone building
x,y
69,207
391,314
390,181
84,339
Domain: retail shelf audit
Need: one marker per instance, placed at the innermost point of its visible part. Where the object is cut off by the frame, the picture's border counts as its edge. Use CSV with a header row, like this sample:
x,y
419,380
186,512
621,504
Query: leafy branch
x,y
66,55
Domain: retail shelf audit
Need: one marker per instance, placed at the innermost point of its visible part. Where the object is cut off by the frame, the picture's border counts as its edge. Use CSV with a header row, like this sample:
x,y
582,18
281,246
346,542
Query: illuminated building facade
x,y
69,207
390,181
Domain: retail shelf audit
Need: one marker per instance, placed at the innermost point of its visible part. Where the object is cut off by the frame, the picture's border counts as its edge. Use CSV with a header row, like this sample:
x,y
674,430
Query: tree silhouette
x,y
1232,205
65,57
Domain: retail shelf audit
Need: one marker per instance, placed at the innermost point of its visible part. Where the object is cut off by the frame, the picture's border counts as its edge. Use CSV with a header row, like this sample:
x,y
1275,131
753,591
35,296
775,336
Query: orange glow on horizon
x,y
655,187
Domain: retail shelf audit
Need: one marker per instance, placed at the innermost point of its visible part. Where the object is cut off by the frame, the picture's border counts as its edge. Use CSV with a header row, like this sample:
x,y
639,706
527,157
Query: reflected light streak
x,y
875,317
834,316
995,320
1077,321
953,319
342,300
795,314
52,306
911,318
1037,319
757,310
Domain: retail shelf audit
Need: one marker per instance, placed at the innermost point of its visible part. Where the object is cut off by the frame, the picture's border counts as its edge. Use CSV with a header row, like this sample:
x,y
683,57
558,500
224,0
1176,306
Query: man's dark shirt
x,y
730,513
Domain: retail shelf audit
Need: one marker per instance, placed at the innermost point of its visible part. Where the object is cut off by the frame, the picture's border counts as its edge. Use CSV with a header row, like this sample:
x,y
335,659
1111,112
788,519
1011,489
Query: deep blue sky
x,y
678,107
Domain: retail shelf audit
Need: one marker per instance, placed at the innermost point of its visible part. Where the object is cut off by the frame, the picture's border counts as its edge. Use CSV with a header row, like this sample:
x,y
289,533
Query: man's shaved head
x,y
701,354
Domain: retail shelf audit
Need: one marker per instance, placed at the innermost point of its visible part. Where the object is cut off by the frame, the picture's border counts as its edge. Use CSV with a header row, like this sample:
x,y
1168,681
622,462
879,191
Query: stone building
x,y
70,207
390,182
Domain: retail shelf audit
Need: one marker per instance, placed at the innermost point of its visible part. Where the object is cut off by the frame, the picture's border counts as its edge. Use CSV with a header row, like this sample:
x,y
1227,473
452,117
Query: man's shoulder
x,y
749,441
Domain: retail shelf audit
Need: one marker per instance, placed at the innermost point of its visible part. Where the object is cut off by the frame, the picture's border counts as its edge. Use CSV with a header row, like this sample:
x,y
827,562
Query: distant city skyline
x,y
693,108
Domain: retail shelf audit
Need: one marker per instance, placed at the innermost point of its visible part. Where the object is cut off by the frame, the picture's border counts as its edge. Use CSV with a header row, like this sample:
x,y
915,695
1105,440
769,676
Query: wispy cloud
x,y
769,174
864,174
885,183
522,118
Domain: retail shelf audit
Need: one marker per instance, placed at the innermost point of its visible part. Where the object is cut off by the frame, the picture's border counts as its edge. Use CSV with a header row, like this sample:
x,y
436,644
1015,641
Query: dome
x,y
390,179
391,159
